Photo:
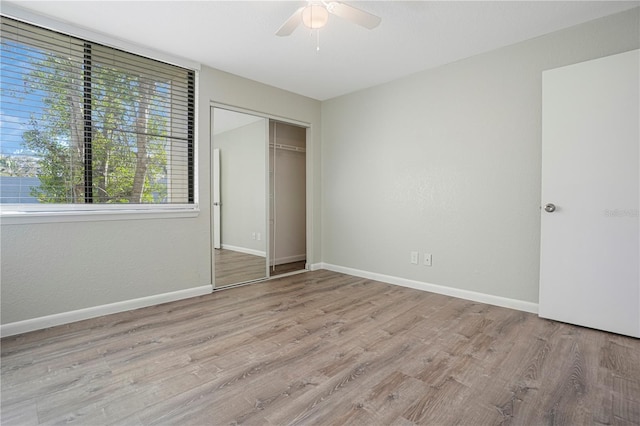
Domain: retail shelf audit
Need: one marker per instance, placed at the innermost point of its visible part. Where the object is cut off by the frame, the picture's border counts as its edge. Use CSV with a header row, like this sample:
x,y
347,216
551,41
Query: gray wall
x,y
51,268
447,161
243,162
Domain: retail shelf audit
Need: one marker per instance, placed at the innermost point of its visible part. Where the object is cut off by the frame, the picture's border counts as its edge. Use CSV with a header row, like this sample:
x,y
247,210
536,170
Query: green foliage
x,y
57,135
58,177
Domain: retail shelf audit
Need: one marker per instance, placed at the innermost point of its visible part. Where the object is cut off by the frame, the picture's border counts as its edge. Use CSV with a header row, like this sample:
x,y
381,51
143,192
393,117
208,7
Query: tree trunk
x,y
77,147
142,119
101,171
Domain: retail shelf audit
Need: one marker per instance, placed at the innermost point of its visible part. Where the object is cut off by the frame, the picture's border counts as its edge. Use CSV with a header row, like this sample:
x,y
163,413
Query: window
x,y
86,124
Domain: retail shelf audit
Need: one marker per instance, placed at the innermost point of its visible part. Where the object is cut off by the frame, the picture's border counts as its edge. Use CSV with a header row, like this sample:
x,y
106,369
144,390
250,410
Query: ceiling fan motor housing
x,y
315,16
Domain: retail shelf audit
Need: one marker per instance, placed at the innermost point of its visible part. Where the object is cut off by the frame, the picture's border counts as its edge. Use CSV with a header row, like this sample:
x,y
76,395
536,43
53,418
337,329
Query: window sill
x,y
9,216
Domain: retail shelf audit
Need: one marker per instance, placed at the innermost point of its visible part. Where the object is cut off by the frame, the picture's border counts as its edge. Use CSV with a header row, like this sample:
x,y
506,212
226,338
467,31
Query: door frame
x,y
216,207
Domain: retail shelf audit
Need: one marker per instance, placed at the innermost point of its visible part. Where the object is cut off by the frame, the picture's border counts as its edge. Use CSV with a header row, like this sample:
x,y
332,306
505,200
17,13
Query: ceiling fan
x,y
316,14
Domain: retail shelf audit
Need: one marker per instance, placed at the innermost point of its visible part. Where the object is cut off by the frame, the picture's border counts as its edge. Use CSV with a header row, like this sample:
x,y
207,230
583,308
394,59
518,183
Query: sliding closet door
x,y
240,191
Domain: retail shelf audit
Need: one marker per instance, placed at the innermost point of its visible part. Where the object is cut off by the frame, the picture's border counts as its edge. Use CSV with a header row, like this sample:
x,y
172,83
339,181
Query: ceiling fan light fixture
x,y
315,16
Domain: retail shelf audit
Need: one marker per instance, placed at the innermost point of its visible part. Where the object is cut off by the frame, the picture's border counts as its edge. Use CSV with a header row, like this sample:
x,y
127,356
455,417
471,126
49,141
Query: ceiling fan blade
x,y
291,24
353,14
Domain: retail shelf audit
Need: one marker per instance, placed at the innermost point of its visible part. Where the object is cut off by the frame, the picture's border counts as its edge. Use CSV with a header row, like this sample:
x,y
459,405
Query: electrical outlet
x,y
414,257
427,259
253,235
259,236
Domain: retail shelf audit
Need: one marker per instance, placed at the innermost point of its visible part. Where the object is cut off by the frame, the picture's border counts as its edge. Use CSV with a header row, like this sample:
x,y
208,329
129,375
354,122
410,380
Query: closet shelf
x,y
287,147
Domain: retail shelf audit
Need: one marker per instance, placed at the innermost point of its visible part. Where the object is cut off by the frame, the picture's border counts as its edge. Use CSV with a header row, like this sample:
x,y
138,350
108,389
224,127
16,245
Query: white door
x,y
216,198
589,268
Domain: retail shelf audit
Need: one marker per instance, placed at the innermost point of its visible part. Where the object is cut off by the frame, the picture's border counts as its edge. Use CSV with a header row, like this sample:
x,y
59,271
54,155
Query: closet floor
x,y
286,268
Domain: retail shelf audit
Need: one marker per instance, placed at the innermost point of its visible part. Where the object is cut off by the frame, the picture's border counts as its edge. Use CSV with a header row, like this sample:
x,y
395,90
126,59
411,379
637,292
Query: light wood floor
x,y
320,348
233,267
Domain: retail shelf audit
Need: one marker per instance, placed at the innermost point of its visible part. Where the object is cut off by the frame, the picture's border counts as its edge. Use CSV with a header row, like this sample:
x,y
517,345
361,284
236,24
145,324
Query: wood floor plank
x,y
233,267
320,348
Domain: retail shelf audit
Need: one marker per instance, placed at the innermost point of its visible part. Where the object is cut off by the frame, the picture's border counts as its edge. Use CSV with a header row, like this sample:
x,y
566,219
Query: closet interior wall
x,y
287,194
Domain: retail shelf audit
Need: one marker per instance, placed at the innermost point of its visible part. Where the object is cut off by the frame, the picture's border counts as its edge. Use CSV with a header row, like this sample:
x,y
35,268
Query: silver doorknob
x,y
550,208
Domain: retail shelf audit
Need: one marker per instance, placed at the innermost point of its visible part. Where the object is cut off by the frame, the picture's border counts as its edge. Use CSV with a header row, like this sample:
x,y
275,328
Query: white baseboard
x,y
289,259
127,305
244,250
315,266
504,302
97,311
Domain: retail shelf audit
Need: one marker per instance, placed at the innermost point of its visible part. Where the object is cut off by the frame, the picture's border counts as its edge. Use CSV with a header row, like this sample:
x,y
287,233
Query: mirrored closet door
x,y
239,197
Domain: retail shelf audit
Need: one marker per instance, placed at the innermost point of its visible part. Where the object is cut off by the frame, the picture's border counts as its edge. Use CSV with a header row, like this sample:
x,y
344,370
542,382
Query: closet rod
x,y
287,147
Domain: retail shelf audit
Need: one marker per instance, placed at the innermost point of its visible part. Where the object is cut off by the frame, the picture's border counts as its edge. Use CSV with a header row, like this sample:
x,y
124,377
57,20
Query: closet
x,y
258,197
287,197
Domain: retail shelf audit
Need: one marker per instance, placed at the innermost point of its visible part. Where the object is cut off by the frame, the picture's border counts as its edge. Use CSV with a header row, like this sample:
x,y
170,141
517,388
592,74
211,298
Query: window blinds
x,y
86,123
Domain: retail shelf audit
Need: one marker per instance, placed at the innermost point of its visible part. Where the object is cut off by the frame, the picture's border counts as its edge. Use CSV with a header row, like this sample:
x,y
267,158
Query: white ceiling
x,y
225,120
238,36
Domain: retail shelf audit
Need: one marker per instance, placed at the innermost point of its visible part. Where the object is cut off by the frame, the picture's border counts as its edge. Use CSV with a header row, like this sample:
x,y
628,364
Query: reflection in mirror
x,y
239,197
